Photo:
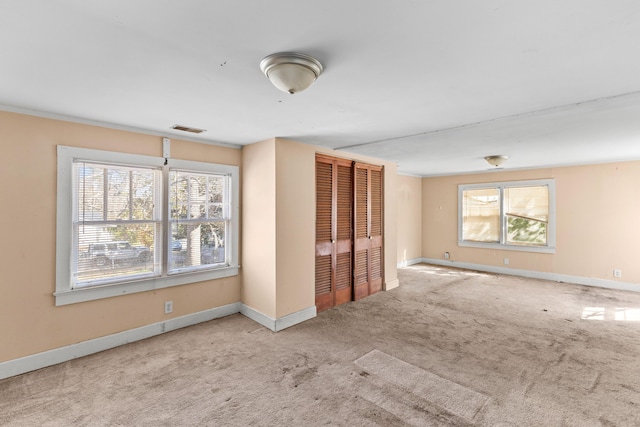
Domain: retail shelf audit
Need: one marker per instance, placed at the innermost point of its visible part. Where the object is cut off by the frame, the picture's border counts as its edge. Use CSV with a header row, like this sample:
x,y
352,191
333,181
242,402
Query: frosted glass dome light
x,y
291,72
496,160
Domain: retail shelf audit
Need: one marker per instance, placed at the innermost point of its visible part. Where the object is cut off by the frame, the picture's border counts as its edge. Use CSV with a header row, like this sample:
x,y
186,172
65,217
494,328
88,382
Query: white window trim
x,y
64,294
551,230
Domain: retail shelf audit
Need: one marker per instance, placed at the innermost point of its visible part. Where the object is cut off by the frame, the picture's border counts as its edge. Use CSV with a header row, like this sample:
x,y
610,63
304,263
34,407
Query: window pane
x,y
527,215
197,189
216,189
197,244
481,215
111,253
143,195
216,211
118,191
178,194
111,193
90,188
196,210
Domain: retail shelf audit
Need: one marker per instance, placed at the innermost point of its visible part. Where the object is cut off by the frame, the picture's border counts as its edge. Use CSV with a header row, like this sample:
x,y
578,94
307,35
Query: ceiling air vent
x,y
187,129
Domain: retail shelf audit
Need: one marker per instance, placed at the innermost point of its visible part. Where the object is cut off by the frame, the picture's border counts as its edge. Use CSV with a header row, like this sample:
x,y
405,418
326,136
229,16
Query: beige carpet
x,y
449,347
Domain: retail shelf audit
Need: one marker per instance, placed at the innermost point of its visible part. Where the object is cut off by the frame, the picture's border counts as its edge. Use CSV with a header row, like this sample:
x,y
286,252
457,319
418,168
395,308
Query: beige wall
x,y
409,199
596,215
295,196
390,226
29,320
258,258
277,259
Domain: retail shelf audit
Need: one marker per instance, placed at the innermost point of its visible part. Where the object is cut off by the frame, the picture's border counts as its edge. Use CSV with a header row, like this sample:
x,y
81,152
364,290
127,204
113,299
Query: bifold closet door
x,y
334,207
368,245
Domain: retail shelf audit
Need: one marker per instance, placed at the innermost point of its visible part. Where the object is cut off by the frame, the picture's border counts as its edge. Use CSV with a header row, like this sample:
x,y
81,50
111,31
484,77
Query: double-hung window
x,y
130,223
116,222
518,215
199,219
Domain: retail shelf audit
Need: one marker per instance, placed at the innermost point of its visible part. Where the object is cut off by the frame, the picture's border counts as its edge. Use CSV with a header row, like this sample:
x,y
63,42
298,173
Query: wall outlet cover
x,y
168,307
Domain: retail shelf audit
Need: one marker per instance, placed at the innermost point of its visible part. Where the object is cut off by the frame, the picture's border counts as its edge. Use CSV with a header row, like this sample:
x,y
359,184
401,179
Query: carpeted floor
x,y
448,347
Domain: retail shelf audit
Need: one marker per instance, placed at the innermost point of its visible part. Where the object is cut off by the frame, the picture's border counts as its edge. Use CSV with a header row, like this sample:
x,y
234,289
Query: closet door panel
x,y
375,234
324,285
361,232
368,266
334,218
343,232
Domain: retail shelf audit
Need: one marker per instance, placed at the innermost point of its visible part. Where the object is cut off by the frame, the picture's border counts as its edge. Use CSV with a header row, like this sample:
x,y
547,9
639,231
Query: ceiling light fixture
x,y
496,160
291,72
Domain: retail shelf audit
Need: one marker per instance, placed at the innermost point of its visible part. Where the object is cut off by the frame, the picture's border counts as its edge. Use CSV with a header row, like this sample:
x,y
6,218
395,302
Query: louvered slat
x,y
344,197
376,203
361,271
376,263
323,201
343,270
361,203
323,274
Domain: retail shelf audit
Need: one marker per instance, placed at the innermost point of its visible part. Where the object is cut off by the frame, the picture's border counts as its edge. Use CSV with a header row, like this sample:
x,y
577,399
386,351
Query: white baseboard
x,y
409,262
282,322
85,348
32,362
578,280
295,318
391,284
258,317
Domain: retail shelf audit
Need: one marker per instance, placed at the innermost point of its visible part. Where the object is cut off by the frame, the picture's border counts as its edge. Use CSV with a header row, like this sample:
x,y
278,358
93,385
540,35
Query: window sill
x,y
107,291
503,247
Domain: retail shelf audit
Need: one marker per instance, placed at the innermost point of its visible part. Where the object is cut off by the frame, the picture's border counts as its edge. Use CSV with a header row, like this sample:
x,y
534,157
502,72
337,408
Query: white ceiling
x,y
432,85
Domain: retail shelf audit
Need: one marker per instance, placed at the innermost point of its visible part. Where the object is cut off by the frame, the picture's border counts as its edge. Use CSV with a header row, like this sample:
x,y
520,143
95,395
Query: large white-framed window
x,y
130,223
513,215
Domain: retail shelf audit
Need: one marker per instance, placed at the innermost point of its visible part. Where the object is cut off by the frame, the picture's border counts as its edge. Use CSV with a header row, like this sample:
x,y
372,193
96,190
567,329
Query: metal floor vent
x,y
187,129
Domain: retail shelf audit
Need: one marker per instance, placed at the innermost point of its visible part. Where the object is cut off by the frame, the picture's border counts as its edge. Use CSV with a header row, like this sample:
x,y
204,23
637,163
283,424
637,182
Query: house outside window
x,y
130,223
517,215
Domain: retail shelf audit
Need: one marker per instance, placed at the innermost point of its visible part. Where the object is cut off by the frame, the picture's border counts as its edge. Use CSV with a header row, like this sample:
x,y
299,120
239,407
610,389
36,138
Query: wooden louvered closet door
x,y
368,265
334,198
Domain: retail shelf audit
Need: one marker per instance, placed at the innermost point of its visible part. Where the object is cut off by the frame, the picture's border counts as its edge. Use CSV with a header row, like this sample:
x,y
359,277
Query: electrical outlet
x,y
168,307
506,261
617,273
446,255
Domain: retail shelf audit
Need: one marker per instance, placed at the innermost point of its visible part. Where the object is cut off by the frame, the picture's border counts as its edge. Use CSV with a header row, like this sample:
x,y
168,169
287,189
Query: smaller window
x,y
481,215
508,215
